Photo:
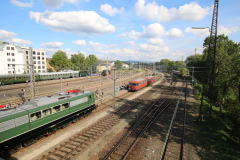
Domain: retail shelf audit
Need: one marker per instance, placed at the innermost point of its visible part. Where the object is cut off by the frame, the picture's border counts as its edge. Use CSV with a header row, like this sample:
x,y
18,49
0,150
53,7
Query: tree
x,y
78,60
199,62
226,74
118,64
60,61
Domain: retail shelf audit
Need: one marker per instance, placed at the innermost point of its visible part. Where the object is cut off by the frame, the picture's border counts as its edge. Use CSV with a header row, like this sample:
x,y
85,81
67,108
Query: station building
x,y
15,59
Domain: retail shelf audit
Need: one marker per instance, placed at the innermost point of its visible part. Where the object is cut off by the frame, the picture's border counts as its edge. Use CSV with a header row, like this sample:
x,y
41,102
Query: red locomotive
x,y
137,84
150,79
178,73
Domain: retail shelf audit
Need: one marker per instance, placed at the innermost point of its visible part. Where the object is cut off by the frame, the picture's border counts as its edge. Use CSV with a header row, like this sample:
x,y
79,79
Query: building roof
x,y
137,80
37,102
2,46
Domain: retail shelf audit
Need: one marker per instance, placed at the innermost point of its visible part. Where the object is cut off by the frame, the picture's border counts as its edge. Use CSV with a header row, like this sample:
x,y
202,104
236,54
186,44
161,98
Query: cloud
x,y
21,4
156,41
20,41
227,31
152,48
106,8
95,45
52,44
80,22
6,35
151,31
188,12
56,4
80,42
198,32
9,36
174,33
129,43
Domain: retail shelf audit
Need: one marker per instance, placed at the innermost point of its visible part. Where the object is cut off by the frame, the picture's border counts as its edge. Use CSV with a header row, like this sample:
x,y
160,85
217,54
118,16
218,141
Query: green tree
x,y
60,61
199,62
78,60
118,64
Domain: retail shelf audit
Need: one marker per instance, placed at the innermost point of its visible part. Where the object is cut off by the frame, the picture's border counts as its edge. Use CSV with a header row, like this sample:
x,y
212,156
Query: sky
x,y
138,30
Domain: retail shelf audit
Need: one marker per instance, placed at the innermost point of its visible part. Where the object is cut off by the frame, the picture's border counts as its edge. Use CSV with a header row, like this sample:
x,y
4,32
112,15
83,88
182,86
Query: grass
x,y
214,135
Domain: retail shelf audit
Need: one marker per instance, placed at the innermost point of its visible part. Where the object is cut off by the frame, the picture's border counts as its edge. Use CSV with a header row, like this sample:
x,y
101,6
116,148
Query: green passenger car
x,y
39,114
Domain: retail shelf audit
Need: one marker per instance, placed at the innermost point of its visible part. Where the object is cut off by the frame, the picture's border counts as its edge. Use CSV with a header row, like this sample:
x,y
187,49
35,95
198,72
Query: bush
x,y
197,88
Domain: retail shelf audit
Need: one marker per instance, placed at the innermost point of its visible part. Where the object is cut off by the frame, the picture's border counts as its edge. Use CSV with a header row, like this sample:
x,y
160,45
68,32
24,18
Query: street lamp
x,y
201,28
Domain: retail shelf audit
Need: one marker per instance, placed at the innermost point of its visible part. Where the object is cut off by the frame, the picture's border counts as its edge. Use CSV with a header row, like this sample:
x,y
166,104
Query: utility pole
x,y
15,71
107,67
193,65
61,83
32,77
78,61
114,79
91,71
211,56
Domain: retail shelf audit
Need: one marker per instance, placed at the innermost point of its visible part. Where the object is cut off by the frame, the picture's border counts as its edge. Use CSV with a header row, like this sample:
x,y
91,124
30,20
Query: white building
x,y
39,60
15,59
125,65
11,58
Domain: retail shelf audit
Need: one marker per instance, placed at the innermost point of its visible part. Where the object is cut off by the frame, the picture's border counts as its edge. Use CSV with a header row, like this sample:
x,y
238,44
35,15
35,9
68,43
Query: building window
x,y
43,58
9,72
43,62
8,48
9,59
13,65
13,72
43,67
34,62
12,54
43,53
27,62
34,57
39,71
39,62
39,67
13,59
38,57
12,48
43,71
34,53
34,67
27,67
8,54
26,57
26,52
9,65
38,53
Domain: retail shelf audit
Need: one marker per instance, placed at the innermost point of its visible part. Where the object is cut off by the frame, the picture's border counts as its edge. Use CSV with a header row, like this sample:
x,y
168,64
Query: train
x,y
23,125
21,78
104,73
178,73
138,84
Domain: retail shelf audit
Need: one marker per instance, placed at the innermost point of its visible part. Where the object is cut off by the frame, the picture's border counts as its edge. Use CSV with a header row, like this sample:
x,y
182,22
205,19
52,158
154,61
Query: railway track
x,y
174,148
77,144
21,99
126,144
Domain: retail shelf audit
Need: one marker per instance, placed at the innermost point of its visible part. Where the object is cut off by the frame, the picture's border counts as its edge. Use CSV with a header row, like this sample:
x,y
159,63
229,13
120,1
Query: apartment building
x,y
15,59
39,60
11,59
